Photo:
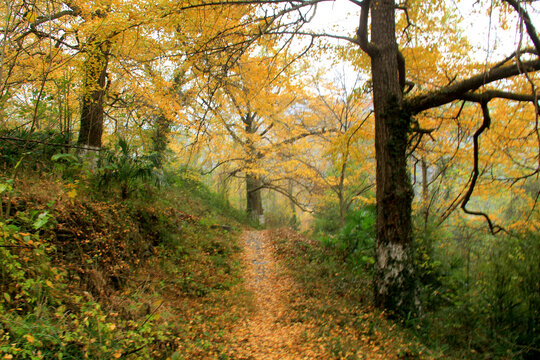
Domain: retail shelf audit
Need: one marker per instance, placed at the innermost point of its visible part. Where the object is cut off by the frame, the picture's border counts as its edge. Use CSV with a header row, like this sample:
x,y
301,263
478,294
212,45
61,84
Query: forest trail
x,y
269,332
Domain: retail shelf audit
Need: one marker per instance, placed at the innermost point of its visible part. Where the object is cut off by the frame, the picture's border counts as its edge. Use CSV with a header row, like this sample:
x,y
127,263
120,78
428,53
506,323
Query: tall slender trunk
x,y
341,193
95,76
293,221
425,192
395,287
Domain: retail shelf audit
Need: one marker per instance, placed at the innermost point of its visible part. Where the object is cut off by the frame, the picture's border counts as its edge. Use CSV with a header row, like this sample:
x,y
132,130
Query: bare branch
x,y
291,197
455,91
314,35
492,94
524,15
514,54
303,135
43,19
9,138
485,125
218,164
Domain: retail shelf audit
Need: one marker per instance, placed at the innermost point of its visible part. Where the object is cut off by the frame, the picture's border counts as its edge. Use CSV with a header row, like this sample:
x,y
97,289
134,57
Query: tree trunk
x,y
341,194
95,75
253,182
254,199
425,192
293,221
394,283
160,138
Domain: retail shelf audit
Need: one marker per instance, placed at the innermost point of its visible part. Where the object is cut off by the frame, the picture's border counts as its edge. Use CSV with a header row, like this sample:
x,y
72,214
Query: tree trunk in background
x,y
341,194
254,206
95,76
293,221
254,199
160,138
395,285
425,192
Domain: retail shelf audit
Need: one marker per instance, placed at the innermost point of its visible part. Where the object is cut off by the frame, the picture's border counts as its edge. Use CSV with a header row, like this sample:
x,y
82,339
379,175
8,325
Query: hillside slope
x,y
87,274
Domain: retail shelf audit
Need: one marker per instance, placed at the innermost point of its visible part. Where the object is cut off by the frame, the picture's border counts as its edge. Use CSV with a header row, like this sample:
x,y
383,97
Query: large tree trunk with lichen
x,y
95,76
395,284
395,287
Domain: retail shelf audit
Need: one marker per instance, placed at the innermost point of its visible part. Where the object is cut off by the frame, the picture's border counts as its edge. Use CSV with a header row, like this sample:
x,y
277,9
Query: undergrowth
x,y
85,275
336,296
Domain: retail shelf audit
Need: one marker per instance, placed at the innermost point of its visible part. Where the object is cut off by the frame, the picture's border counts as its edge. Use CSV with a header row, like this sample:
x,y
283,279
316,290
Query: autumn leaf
x,y
29,338
72,193
30,16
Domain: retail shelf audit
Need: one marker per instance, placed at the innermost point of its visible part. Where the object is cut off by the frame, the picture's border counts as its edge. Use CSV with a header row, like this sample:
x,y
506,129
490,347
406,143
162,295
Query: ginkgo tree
x,y
118,49
253,119
394,117
346,167
30,63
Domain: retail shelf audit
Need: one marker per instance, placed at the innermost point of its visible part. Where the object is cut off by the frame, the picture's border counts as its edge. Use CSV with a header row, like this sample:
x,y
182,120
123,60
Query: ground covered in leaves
x,y
87,275
267,333
174,277
304,308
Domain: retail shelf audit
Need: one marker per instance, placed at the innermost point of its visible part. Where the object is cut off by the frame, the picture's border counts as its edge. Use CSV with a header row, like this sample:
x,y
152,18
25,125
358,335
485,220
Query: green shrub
x,y
189,182
326,219
41,319
512,292
122,168
355,241
480,293
35,148
67,164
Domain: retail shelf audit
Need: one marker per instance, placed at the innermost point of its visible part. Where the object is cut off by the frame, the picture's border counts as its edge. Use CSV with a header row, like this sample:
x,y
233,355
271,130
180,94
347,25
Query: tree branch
x,y
291,197
218,164
485,125
43,19
9,138
302,135
524,15
455,91
401,70
362,31
489,95
514,54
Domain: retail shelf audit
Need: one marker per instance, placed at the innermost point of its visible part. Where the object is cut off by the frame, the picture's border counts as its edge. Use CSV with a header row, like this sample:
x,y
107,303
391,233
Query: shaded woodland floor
x,y
155,279
87,274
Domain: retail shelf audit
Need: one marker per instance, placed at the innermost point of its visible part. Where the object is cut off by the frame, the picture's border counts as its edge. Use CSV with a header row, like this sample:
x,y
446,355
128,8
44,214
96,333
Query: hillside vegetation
x,y
115,257
87,273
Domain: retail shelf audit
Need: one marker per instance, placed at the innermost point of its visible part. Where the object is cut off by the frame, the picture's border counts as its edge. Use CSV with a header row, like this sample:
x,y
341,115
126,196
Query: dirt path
x,y
269,332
